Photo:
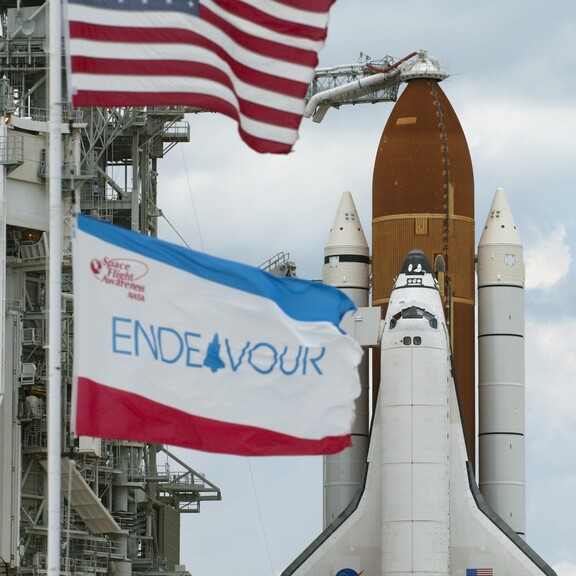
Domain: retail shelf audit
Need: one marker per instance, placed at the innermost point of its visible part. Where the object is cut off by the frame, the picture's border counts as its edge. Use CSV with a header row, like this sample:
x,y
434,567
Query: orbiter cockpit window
x,y
407,340
414,312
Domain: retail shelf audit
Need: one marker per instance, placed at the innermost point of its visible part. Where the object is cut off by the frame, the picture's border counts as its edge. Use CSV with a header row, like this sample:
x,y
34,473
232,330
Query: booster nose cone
x,y
346,231
346,254
500,227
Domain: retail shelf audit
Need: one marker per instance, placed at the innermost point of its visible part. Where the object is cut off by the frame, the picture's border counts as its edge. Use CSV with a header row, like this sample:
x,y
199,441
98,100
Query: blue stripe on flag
x,y
300,299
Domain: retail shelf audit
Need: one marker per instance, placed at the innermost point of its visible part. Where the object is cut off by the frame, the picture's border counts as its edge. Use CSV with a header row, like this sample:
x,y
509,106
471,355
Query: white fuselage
x,y
414,411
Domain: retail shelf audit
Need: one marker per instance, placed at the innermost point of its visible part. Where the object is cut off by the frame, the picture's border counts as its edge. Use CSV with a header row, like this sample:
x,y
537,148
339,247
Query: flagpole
x,y
54,284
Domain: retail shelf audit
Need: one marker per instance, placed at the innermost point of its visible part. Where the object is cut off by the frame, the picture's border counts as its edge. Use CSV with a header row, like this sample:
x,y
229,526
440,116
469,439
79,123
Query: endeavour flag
x,y
176,347
252,60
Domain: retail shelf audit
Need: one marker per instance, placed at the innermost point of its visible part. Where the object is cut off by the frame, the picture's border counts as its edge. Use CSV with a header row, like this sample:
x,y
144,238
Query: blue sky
x,y
513,77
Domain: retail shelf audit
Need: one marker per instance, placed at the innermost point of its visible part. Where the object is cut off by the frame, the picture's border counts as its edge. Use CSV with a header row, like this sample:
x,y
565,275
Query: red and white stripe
x,y
252,60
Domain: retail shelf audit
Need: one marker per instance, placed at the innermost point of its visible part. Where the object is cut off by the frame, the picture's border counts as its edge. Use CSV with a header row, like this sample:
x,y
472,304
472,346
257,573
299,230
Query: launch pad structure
x,y
121,501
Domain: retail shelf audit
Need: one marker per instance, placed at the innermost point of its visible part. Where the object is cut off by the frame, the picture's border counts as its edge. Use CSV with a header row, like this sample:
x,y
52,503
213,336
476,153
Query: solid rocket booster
x,y
501,365
347,266
420,511
423,196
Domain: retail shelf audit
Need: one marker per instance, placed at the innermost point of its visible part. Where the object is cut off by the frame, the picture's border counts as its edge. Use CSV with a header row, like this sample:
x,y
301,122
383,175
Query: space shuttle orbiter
x,y
419,511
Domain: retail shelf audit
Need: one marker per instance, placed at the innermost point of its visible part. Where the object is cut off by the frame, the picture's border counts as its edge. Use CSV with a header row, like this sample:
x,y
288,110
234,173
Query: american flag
x,y
252,60
479,572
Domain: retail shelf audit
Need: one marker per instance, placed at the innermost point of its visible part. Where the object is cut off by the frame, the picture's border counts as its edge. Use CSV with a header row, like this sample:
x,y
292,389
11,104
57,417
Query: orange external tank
x,y
423,197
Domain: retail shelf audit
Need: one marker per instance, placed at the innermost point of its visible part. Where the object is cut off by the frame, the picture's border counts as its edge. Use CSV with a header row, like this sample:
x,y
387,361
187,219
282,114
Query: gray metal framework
x,y
121,501
337,76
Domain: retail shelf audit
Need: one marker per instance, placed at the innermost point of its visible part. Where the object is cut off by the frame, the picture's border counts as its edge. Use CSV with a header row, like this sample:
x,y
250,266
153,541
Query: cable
x,y
192,199
161,212
260,516
177,233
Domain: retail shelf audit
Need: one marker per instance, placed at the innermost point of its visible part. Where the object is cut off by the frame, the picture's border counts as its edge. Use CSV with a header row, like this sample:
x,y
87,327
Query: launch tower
x,y
121,501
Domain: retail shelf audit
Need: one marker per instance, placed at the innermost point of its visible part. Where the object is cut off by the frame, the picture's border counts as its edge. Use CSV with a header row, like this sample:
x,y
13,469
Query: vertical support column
x,y
54,285
7,417
135,182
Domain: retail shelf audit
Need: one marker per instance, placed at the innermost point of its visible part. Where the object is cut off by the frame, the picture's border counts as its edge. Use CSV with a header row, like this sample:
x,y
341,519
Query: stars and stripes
x,y
479,572
252,60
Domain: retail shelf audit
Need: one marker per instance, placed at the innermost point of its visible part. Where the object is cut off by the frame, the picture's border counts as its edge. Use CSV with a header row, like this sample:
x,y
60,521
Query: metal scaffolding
x,y
120,510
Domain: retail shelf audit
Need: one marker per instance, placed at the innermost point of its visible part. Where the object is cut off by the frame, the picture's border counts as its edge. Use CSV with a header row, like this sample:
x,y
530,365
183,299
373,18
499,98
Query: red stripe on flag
x,y
123,35
128,34
106,412
264,47
318,6
120,67
248,12
104,98
189,68
285,35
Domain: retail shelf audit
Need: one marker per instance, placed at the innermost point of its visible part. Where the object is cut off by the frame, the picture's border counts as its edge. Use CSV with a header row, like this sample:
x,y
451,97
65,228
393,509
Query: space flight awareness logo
x,y
123,273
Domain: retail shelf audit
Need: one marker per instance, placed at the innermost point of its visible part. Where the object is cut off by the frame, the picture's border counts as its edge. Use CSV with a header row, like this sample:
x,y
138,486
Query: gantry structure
x,y
121,502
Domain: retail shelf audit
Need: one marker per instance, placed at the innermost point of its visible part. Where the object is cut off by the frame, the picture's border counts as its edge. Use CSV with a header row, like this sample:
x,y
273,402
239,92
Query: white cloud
x,y
547,258
500,133
550,391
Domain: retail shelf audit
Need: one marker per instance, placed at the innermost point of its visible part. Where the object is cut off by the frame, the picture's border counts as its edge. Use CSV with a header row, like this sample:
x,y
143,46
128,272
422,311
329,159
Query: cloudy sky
x,y
512,84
